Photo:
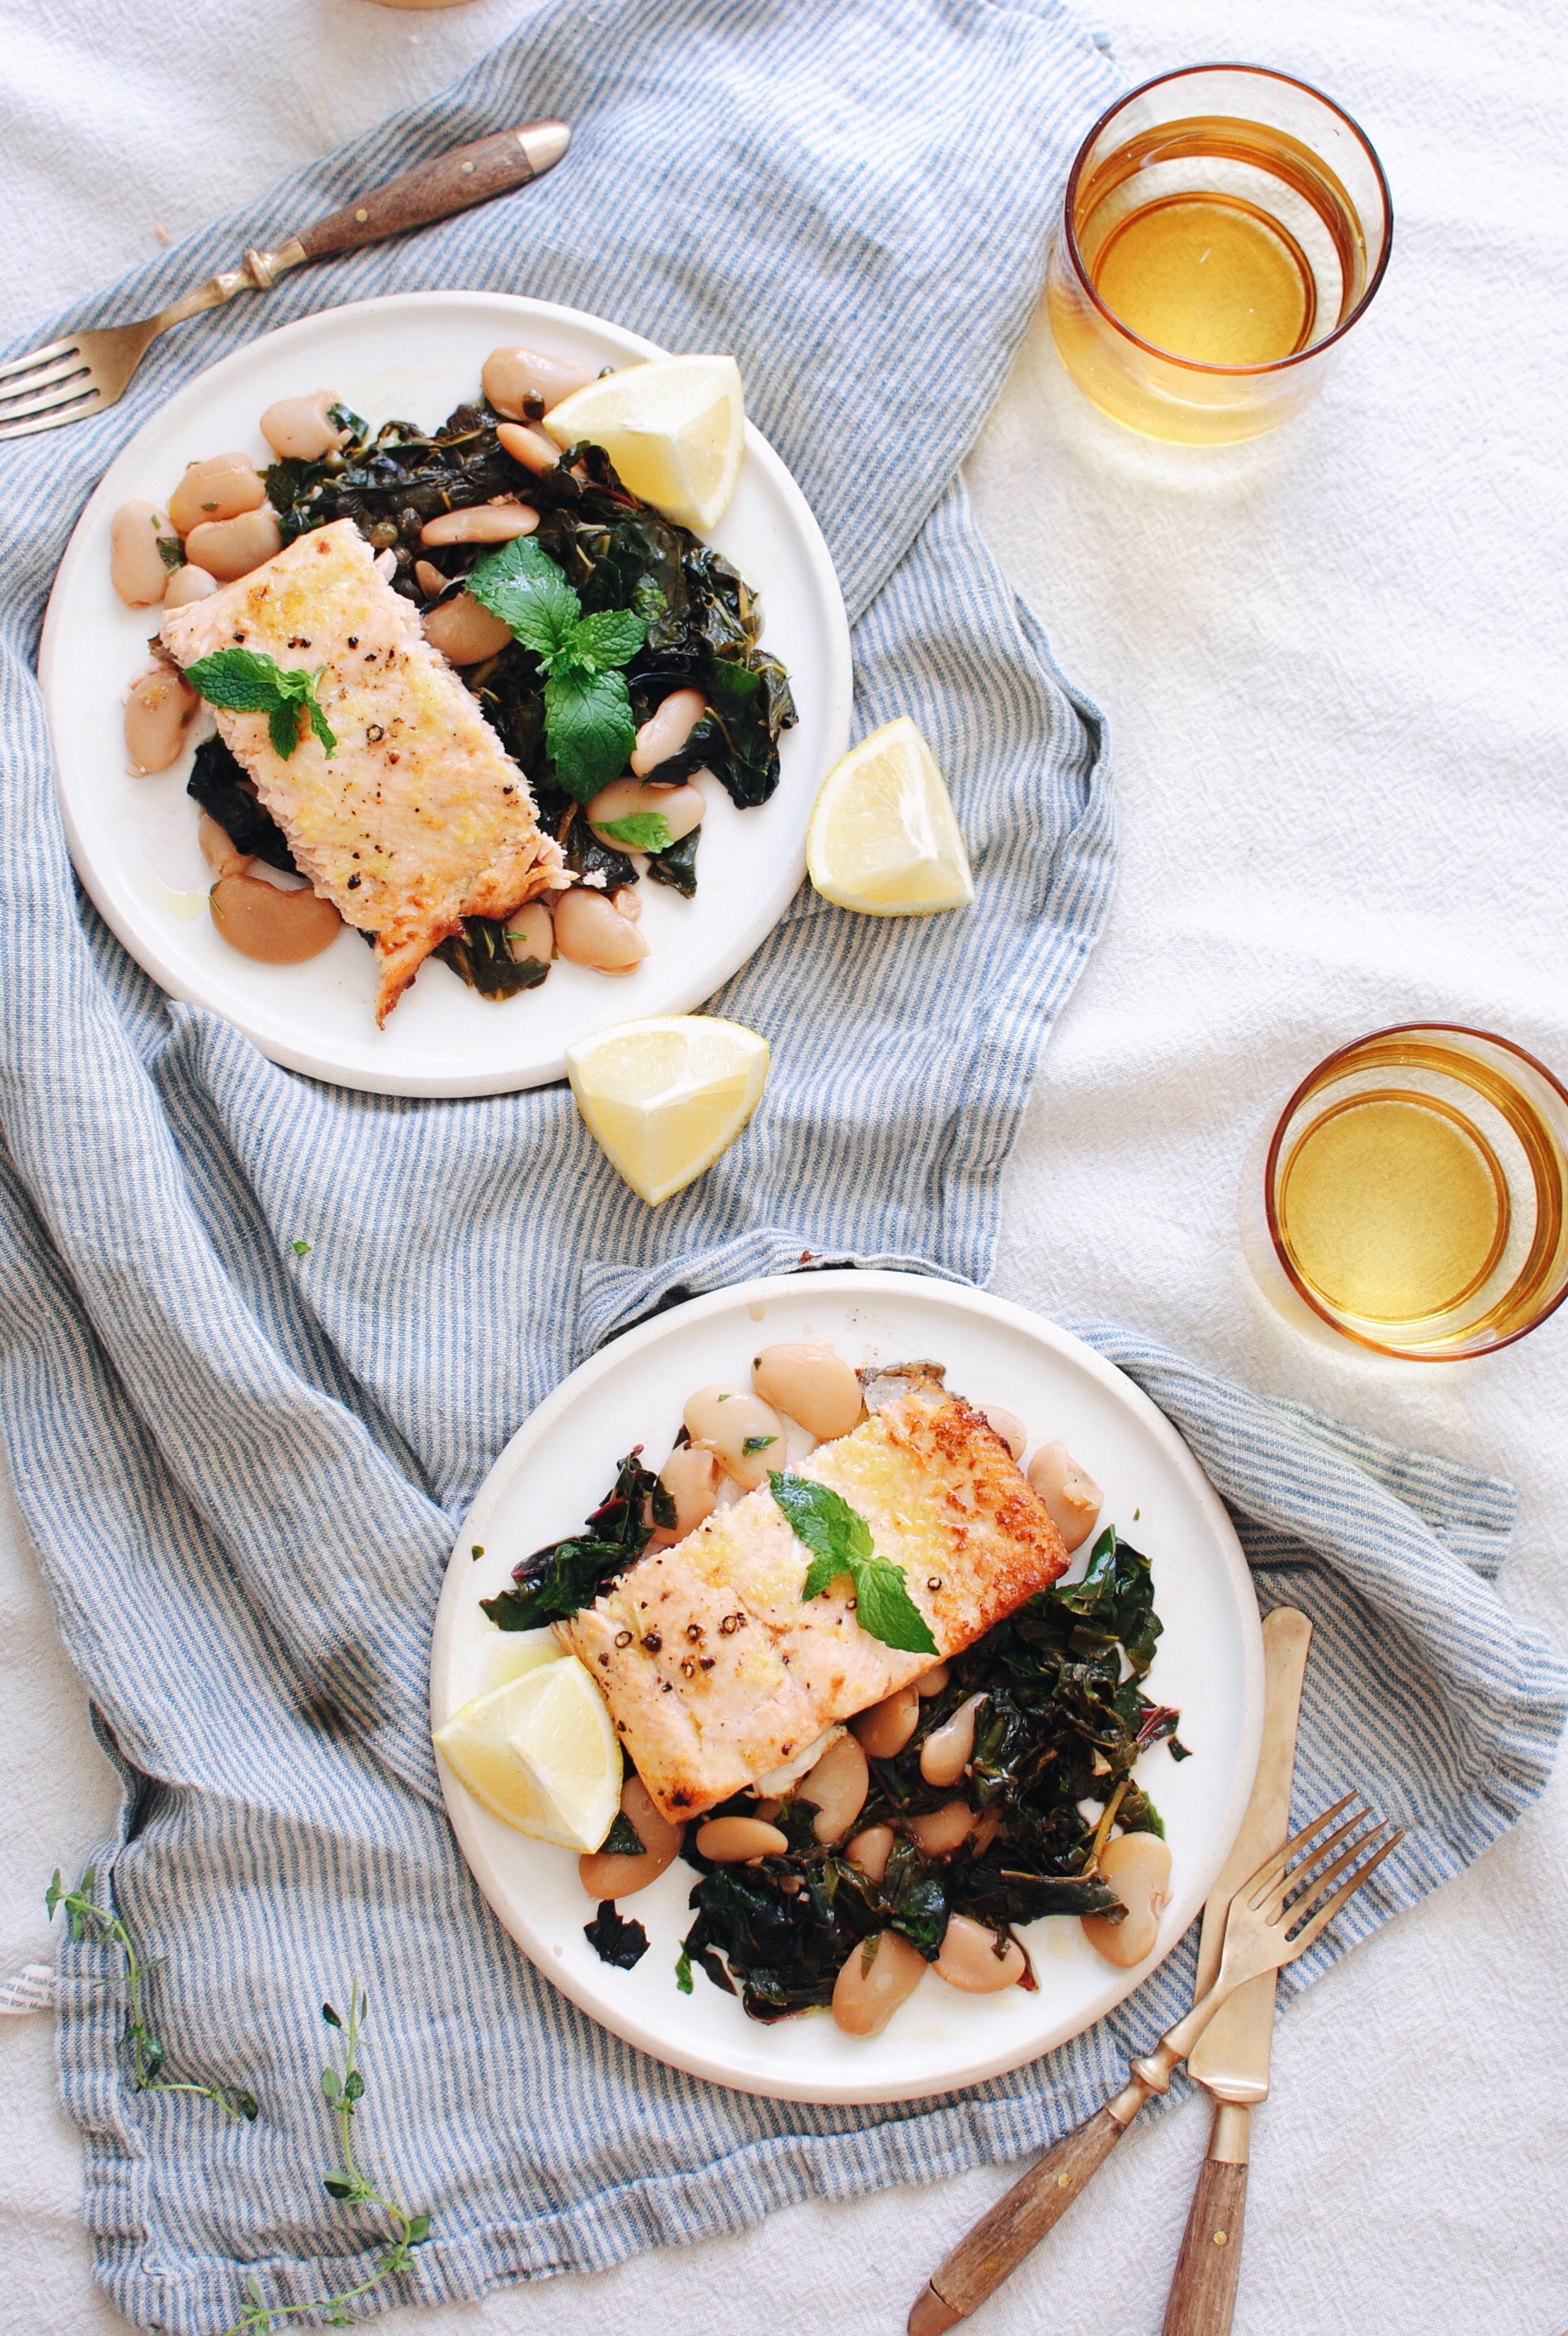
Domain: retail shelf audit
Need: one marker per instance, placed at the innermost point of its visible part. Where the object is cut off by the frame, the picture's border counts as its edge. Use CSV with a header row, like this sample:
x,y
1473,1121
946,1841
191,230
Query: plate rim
x,y
962,1298
301,1058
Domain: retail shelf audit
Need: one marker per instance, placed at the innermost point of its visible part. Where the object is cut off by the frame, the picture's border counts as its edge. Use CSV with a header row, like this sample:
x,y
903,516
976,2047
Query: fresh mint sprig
x,y
839,1542
248,681
588,719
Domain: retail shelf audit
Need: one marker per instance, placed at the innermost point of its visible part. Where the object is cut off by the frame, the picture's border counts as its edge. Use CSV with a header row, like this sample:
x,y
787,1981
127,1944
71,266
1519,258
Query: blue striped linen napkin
x,y
242,1469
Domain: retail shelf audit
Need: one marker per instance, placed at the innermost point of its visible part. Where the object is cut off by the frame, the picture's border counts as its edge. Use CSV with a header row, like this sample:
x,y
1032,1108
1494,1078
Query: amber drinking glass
x,y
1414,1194
1224,226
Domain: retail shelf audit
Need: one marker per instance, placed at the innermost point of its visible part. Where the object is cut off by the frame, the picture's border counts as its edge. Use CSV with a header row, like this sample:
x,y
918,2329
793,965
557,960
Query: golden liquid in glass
x,y
1393,1207
1210,278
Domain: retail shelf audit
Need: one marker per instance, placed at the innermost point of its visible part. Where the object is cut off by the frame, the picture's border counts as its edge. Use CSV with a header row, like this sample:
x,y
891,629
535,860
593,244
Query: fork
x,y
85,373
1274,1917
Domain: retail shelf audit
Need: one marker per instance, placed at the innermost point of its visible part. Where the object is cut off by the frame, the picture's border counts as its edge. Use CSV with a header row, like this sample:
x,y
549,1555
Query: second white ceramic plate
x,y
134,840
1209,1664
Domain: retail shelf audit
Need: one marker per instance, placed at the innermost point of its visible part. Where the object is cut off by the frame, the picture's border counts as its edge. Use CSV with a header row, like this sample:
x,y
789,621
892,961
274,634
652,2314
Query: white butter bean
x,y
463,630
220,488
878,1976
532,933
301,429
430,579
810,1383
497,523
157,716
187,584
1068,1492
590,931
1008,1426
217,848
137,569
230,548
1137,1866
887,1727
733,1840
871,1851
948,1749
932,1682
528,446
666,729
680,808
726,1420
838,1784
517,381
972,1958
941,1831
609,1873
690,1477
275,927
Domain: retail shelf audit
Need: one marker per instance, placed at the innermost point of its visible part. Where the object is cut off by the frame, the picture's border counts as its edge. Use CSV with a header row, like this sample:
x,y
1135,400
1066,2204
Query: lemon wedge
x,y
541,1753
882,837
674,429
664,1098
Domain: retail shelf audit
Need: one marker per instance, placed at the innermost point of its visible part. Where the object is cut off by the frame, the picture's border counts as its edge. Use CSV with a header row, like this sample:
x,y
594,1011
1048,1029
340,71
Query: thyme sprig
x,y
149,2056
344,2088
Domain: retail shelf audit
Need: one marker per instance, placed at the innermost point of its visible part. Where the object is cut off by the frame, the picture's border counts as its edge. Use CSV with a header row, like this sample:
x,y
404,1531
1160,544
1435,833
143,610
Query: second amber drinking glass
x,y
1223,228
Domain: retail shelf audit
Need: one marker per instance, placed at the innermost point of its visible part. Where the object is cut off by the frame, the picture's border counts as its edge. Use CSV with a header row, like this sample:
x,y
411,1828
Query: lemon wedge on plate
x,y
542,1753
663,1098
674,429
882,837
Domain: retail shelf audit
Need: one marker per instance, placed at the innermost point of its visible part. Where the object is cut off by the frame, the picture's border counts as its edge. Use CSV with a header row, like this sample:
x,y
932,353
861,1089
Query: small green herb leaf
x,y
248,681
883,1607
623,1839
754,1444
683,1972
418,2230
353,2085
300,1248
611,637
172,551
588,728
338,2185
522,585
641,830
56,1892
330,2015
840,1541
253,2289
245,2103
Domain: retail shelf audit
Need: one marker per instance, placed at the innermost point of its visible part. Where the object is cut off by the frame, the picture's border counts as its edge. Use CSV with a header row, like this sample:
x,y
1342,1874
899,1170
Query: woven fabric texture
x,y
242,1469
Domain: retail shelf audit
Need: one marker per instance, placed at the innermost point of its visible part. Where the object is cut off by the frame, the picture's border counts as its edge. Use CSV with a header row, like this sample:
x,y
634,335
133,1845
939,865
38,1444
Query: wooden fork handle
x,y
435,190
997,2245
1203,2297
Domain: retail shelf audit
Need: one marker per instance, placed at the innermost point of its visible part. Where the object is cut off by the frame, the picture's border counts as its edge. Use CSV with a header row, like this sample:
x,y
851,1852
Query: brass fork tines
x,y
1287,1895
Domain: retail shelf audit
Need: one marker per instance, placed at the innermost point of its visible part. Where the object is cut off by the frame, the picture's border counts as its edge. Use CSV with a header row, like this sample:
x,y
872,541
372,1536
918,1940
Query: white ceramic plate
x,y
1210,1663
134,840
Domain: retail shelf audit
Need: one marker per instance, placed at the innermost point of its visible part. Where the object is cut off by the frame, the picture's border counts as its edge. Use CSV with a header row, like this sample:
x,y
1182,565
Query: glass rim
x,y
1270,1171
1196,365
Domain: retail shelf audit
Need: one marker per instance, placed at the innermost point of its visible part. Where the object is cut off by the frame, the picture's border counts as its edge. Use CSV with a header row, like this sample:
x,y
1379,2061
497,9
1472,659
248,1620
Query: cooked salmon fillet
x,y
419,818
716,1671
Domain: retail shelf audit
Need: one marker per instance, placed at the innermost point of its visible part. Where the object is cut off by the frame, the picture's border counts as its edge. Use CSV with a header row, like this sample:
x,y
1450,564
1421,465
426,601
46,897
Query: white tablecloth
x,y
1332,662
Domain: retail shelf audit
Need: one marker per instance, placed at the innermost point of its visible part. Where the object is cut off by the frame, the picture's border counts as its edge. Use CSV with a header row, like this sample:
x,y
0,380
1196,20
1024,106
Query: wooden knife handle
x,y
1203,2297
452,182
998,2241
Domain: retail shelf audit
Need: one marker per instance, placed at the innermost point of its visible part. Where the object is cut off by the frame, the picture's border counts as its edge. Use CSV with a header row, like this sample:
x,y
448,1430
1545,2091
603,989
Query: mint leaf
x,y
242,680
883,1607
839,1542
641,830
588,728
683,1972
611,637
248,681
822,1518
523,586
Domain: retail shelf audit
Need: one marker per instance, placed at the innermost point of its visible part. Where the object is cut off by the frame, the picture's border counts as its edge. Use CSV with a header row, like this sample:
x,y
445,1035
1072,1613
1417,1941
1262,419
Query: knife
x,y
1232,2059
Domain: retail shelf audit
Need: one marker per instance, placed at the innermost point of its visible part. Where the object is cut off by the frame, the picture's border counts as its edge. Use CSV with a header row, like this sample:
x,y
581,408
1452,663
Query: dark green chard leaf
x,y
623,1839
219,784
677,866
563,1577
614,1939
482,956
